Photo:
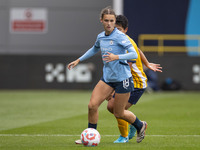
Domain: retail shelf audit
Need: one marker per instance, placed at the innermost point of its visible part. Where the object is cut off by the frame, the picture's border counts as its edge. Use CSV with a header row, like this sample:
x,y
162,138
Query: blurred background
x,y
38,38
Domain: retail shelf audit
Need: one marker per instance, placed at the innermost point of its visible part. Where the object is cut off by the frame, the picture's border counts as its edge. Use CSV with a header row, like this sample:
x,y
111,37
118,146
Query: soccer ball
x,y
90,137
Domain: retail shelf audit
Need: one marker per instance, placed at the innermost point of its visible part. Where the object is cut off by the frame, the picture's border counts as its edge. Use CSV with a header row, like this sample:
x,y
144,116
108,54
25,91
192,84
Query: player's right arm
x,y
91,52
152,66
73,64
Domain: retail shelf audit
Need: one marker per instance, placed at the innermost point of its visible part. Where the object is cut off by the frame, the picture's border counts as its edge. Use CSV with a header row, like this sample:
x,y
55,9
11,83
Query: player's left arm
x,y
111,57
152,66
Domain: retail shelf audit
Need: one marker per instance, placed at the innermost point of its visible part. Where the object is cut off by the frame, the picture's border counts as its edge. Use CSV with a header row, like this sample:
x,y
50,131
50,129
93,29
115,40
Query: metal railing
x,y
162,38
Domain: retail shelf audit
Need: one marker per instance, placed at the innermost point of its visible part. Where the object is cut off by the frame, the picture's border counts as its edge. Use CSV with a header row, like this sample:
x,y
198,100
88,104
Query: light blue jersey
x,y
116,43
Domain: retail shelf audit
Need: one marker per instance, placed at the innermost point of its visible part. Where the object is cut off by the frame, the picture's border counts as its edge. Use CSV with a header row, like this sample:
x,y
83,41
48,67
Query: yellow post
x,y
160,45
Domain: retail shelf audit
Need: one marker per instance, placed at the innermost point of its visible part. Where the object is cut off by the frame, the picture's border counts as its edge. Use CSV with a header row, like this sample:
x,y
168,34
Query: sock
x,y
137,124
123,127
90,125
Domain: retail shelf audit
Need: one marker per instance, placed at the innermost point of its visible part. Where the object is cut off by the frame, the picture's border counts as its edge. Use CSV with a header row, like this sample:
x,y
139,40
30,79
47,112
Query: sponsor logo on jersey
x,y
123,41
111,42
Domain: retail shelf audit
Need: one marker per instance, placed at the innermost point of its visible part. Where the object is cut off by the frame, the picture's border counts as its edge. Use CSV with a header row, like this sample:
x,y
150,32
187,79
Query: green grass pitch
x,y
53,120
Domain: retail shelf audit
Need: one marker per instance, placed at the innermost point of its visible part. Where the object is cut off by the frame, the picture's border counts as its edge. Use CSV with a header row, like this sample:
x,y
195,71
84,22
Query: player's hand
x,y
73,64
130,64
110,57
154,67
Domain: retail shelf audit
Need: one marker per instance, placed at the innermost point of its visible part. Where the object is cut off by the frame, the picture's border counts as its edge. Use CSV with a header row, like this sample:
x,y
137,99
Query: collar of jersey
x,y
111,32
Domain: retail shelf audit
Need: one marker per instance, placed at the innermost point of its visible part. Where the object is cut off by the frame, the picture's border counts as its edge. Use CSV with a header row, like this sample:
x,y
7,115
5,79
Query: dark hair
x,y
107,11
121,20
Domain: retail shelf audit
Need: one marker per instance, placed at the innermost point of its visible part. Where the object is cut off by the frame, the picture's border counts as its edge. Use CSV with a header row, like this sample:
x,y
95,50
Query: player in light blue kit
x,y
116,73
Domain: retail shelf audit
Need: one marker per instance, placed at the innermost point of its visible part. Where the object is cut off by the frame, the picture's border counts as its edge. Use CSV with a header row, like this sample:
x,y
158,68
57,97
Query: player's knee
x,y
92,107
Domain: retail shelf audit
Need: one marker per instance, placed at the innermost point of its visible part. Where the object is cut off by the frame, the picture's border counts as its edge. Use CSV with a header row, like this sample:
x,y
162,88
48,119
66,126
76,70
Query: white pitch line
x,y
67,135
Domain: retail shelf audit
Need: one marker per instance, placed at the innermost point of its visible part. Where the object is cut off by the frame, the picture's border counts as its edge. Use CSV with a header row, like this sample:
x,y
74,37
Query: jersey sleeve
x,y
97,42
124,41
136,48
127,45
131,55
91,52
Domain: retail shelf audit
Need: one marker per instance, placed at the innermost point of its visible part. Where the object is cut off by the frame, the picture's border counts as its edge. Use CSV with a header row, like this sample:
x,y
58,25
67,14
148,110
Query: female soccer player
x,y
116,73
139,79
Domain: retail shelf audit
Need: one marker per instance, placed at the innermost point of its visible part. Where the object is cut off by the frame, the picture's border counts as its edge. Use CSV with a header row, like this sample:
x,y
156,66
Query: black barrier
x,y
178,68
50,72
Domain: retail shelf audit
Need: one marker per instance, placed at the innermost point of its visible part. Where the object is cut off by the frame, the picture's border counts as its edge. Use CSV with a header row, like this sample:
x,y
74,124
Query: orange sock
x,y
123,127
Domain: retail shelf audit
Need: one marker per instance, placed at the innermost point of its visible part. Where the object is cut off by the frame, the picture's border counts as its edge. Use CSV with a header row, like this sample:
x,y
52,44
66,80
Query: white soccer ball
x,y
90,137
